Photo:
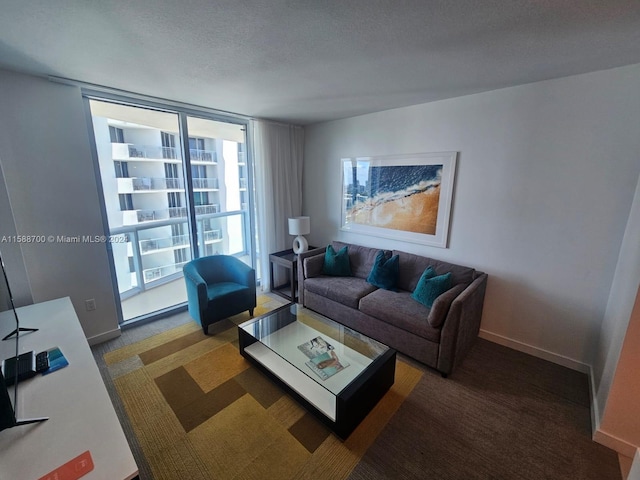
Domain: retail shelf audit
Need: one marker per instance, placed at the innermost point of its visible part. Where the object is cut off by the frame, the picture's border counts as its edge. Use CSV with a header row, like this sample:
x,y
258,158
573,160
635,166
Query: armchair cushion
x,y
218,290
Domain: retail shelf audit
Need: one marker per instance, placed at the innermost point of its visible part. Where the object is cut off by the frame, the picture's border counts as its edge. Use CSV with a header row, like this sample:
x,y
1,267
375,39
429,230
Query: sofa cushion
x,y
345,290
397,309
412,266
384,273
429,287
361,258
337,263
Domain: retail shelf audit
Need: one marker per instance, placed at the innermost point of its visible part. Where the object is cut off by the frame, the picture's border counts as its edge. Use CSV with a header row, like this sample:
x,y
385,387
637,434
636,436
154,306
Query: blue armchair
x,y
218,287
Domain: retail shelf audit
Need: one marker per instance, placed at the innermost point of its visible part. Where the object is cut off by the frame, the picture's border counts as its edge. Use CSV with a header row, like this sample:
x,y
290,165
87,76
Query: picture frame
x,y
401,197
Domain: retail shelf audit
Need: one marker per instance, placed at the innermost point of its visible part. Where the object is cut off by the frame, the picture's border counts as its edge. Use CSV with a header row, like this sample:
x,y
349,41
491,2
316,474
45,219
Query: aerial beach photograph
x,y
398,197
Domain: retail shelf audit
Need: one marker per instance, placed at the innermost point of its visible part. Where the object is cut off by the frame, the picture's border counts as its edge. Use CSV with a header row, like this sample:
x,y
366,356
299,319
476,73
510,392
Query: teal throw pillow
x,y
430,287
384,273
337,264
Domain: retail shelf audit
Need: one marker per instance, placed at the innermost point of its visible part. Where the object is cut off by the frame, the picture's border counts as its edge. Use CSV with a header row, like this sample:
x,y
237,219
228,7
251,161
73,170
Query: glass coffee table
x,y
334,372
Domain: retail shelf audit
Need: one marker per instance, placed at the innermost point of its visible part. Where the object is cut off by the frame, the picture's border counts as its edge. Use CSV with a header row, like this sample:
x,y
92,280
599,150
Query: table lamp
x,y
300,226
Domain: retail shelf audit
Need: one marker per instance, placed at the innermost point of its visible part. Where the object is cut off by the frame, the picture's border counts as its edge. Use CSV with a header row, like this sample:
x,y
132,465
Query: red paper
x,y
73,469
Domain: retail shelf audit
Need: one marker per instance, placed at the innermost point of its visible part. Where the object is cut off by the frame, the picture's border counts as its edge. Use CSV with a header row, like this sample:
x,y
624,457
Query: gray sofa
x,y
439,336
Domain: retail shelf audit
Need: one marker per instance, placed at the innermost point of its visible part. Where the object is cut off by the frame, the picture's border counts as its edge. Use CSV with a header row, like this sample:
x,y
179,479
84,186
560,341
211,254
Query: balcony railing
x,y
148,184
212,235
204,156
156,273
152,245
139,252
207,209
243,183
155,244
206,183
165,214
129,151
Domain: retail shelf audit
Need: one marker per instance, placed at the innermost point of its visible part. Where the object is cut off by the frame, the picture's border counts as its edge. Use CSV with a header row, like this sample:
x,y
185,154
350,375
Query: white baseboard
x,y
103,337
536,352
595,408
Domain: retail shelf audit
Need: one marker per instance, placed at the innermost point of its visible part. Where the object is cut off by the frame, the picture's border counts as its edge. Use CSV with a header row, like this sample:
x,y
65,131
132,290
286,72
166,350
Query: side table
x,y
288,260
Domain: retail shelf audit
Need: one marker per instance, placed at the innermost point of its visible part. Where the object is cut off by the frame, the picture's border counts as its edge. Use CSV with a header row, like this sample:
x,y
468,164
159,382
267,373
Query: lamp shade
x,y
299,226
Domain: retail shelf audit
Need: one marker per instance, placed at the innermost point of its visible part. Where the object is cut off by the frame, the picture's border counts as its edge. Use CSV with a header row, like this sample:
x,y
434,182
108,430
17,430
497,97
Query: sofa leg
x,y
444,375
251,312
205,329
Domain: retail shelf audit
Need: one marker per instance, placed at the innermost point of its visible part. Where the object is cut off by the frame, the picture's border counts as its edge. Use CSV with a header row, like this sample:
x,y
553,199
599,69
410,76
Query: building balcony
x,y
133,217
146,185
205,184
212,236
203,157
145,272
207,209
243,184
153,153
158,273
153,245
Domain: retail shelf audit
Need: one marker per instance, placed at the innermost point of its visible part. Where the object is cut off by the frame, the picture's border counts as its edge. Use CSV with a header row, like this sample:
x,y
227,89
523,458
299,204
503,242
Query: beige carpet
x,y
199,410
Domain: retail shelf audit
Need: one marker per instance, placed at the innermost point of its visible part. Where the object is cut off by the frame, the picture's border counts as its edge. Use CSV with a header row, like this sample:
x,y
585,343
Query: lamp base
x,y
300,244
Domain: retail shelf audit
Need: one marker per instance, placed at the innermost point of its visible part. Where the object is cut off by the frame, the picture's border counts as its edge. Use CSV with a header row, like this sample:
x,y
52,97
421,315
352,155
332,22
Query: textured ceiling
x,y
313,60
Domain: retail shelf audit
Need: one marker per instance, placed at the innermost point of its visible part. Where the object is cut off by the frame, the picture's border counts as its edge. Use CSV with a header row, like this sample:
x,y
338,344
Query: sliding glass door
x,y
175,187
219,182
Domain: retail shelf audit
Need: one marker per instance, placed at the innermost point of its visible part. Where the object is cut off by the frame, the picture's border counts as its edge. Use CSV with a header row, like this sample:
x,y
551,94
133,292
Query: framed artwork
x,y
402,197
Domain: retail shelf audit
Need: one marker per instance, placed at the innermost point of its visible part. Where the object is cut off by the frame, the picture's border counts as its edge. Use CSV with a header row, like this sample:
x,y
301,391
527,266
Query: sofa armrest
x,y
441,305
313,266
462,324
302,258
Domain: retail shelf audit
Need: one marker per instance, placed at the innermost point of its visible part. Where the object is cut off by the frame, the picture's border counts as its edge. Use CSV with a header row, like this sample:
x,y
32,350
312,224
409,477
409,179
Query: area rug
x,y
199,410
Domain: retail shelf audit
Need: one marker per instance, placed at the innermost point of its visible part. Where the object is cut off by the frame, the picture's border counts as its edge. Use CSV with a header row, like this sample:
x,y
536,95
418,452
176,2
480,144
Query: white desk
x,y
81,416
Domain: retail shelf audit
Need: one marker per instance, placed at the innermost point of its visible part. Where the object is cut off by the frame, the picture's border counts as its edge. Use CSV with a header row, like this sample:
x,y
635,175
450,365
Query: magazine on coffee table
x,y
323,359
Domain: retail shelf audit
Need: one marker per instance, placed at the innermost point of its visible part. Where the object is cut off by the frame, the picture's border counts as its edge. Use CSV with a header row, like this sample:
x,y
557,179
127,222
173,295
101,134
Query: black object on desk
x,y
28,365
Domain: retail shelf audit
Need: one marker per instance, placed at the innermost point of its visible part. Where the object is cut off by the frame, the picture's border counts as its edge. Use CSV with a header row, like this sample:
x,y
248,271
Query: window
x,y
181,256
164,228
174,200
196,143
126,201
122,169
171,170
168,145
116,134
200,198
198,171
177,229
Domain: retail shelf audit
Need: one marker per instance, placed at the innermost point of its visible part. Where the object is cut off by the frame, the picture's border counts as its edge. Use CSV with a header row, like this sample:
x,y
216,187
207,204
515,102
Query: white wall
x,y
51,185
545,180
619,310
11,251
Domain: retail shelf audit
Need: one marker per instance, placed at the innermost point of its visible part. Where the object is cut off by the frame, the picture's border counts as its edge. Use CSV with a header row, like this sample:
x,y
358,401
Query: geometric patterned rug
x,y
201,411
